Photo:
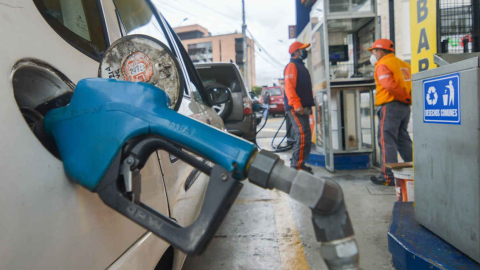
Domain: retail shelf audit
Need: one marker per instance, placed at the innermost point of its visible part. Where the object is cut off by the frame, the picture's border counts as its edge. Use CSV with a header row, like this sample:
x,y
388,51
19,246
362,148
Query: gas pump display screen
x,y
338,53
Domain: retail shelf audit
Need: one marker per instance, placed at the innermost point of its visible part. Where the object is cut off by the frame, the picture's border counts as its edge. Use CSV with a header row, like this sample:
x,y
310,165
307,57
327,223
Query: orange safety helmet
x,y
297,46
382,43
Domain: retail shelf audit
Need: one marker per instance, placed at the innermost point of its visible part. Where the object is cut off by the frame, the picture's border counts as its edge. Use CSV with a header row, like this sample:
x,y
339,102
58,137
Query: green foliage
x,y
257,90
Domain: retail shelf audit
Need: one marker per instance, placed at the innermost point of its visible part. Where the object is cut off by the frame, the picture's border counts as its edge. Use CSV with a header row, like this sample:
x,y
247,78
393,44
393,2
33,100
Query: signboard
x,y
442,100
292,31
423,23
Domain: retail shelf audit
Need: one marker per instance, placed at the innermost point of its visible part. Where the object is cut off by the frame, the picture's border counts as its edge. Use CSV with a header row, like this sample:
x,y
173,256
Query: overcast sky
x,y
267,20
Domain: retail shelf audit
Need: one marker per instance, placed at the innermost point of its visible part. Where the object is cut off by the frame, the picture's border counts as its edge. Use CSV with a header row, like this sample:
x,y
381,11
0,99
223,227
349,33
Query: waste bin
x,y
446,127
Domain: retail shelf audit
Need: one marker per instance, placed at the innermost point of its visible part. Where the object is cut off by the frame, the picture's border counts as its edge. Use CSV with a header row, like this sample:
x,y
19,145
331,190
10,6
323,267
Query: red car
x,y
276,99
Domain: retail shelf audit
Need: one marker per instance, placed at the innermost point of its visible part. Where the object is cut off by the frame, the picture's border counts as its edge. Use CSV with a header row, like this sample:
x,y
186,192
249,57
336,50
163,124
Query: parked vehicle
x,y
49,222
255,101
257,107
276,100
238,113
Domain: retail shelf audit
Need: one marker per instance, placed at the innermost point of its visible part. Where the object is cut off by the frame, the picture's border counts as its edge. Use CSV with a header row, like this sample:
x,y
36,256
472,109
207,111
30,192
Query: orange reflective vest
x,y
394,80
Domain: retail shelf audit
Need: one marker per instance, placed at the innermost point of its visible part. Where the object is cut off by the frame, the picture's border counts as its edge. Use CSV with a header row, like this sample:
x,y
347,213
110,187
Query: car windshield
x,y
274,91
223,74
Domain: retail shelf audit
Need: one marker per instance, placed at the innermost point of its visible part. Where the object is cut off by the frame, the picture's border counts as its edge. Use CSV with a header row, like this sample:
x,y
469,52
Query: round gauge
x,y
140,58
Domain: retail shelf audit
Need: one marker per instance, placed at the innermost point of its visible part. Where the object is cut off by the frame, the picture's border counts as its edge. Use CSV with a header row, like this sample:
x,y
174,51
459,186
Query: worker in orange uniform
x,y
394,89
298,102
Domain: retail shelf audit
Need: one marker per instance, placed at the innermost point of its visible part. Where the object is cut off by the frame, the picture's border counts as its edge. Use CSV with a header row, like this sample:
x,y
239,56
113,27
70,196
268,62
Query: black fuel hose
x,y
266,118
278,148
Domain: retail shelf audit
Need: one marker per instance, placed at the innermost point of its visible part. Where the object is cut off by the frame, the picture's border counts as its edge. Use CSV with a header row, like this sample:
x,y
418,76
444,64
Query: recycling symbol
x,y
432,91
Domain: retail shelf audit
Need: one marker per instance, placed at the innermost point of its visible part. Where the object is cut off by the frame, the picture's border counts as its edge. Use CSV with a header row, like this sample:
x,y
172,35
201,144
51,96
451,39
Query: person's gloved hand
x,y
299,110
407,99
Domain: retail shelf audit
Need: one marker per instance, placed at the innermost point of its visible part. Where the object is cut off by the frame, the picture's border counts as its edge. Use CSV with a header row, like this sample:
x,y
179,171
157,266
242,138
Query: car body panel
x,y
245,128
237,110
49,222
237,122
234,74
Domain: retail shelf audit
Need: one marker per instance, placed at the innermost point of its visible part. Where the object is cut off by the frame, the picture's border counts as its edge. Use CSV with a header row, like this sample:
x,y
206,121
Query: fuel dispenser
x,y
343,81
111,126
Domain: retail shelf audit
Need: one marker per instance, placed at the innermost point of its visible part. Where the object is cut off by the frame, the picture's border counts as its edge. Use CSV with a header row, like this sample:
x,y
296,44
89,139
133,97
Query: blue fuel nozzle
x,y
104,114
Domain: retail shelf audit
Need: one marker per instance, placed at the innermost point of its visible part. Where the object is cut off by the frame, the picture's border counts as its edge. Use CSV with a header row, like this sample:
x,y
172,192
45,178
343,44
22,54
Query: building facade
x,y
204,48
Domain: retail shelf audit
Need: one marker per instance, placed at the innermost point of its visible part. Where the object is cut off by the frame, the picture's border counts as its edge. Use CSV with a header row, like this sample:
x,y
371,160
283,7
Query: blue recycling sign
x,y
441,100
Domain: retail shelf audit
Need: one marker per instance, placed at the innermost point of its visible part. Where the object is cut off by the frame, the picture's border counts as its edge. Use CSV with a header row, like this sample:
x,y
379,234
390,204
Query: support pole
x,y
475,28
245,49
391,12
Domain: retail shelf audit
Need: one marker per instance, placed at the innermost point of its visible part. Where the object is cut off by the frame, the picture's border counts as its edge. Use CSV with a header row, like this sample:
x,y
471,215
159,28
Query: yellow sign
x,y
423,23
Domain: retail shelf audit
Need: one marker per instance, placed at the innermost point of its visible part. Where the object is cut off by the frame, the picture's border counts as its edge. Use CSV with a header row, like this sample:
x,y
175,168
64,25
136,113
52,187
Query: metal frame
x,y
330,91
328,151
359,120
346,119
357,89
449,12
348,13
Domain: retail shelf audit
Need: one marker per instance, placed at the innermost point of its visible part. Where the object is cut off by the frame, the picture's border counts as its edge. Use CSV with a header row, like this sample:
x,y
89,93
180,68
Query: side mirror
x,y
218,94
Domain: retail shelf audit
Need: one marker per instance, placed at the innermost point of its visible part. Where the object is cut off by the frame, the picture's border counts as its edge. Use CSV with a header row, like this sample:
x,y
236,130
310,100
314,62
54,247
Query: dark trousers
x,y
303,138
393,137
288,126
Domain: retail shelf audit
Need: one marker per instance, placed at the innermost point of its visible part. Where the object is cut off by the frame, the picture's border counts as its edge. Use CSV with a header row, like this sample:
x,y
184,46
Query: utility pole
x,y
391,11
245,49
475,29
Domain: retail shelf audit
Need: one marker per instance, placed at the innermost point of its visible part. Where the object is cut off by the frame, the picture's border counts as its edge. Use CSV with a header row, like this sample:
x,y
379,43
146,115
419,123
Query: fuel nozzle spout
x,y
324,197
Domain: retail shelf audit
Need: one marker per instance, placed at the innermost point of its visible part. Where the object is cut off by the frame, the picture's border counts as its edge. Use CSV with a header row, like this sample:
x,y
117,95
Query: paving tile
x,y
237,253
251,218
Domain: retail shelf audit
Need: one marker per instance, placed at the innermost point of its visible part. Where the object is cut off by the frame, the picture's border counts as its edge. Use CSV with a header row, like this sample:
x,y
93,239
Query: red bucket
x,y
404,184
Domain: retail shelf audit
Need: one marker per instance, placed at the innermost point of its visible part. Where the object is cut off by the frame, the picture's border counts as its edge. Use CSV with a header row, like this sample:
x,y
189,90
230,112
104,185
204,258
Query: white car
x,y
47,221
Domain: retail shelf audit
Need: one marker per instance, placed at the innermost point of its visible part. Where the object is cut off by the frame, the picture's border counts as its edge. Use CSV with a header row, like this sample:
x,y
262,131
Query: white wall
x,y
402,26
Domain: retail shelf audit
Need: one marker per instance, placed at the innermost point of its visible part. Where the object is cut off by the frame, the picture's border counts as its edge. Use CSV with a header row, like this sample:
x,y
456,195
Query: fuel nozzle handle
x,y
324,197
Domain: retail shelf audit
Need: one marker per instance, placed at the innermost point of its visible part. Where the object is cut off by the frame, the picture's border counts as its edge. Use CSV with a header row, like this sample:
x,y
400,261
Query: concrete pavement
x,y
272,127
267,230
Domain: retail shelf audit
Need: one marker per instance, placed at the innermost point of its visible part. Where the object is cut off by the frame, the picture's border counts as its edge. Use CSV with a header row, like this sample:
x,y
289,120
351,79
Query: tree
x,y
257,90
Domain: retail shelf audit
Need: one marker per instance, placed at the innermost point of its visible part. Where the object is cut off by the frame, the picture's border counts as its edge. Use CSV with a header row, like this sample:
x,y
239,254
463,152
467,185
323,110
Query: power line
x,y
266,60
266,52
216,11
171,6
277,65
176,8
272,63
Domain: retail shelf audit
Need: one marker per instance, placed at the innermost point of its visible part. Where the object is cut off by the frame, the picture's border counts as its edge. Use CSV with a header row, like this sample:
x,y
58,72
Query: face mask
x,y
304,55
373,60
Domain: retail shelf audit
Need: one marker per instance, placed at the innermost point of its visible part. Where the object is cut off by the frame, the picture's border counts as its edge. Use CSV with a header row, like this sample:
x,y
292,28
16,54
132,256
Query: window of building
x,y
339,6
351,6
201,52
362,5
239,52
79,22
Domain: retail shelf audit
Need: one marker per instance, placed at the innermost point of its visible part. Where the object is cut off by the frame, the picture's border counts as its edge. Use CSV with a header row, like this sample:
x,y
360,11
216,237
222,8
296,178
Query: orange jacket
x,y
291,74
394,80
